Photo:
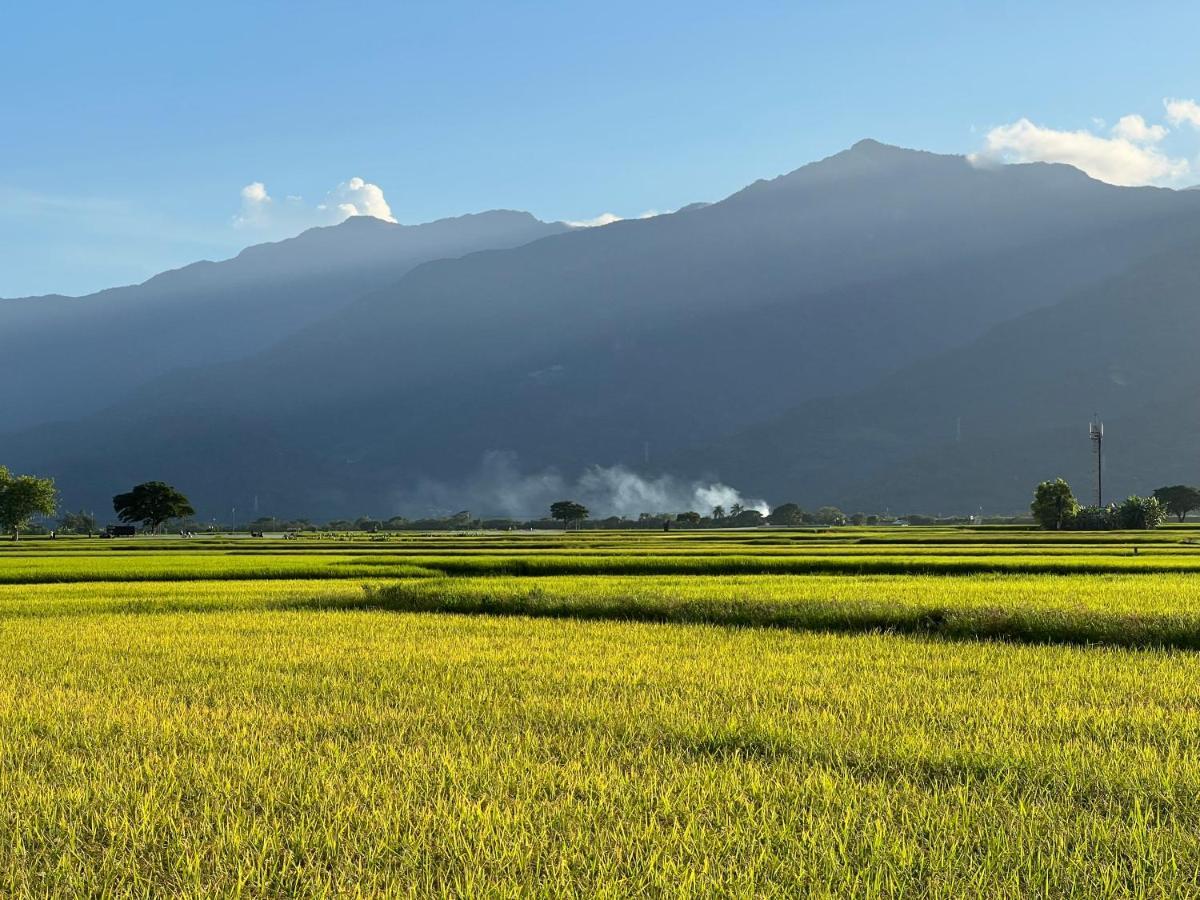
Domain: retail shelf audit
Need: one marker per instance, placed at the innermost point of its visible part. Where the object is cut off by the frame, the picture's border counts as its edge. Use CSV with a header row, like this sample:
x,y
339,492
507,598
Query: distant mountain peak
x,y
866,158
872,150
870,145
364,221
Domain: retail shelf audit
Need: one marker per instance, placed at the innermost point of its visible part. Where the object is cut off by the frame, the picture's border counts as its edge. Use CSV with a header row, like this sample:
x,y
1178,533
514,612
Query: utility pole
x,y
1096,433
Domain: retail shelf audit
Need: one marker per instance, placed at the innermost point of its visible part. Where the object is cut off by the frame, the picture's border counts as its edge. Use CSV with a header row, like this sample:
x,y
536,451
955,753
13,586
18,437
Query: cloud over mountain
x,y
607,218
354,197
1130,154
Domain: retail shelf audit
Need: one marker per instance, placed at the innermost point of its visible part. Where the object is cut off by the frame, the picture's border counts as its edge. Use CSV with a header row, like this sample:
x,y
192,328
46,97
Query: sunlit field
x,y
893,712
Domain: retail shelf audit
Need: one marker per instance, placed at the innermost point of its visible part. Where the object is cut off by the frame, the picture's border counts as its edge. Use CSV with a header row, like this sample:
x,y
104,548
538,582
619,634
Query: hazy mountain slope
x,y
669,332
76,355
979,426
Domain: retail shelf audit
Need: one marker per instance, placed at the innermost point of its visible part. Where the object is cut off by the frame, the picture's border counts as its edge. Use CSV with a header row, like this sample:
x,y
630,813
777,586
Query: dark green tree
x,y
786,515
1093,518
461,520
77,523
1179,499
22,497
718,512
151,504
568,512
1140,513
747,518
1053,504
830,515
688,518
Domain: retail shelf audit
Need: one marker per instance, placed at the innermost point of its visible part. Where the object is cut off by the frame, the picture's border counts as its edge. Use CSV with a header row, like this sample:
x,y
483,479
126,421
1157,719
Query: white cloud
x,y
1121,159
602,219
357,198
256,207
354,197
1180,111
608,218
255,192
1135,130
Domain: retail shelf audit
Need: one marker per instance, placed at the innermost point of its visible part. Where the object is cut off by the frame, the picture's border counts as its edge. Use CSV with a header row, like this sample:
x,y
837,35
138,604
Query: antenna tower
x,y
1096,433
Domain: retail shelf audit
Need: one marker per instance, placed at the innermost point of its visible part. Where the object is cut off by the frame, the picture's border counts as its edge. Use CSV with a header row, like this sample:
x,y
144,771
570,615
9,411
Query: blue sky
x,y
128,131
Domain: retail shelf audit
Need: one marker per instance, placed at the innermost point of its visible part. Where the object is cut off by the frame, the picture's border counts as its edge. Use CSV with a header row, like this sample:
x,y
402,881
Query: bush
x,y
1092,518
1134,514
1140,513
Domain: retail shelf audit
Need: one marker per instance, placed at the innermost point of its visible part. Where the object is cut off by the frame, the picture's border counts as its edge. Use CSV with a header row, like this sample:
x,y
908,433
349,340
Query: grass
x,y
192,727
200,565
1121,610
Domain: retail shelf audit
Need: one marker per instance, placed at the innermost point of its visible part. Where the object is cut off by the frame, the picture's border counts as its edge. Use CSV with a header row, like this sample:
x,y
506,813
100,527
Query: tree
x,y
830,515
77,523
688,518
736,510
568,512
461,520
1093,518
22,497
151,504
786,515
1178,499
1140,513
1053,504
747,518
718,512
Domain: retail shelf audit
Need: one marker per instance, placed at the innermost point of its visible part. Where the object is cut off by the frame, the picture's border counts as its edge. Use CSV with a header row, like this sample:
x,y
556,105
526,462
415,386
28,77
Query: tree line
x,y
154,503
787,515
22,497
1054,507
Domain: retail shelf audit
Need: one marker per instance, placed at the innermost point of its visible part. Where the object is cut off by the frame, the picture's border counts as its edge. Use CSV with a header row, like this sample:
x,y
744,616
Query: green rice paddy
x,y
877,713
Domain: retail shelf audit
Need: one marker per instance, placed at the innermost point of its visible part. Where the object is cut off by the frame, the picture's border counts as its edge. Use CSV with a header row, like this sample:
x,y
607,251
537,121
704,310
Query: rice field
x,y
602,714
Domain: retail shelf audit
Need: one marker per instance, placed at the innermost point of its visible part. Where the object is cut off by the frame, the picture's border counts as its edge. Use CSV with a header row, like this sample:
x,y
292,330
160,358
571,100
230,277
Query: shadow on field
x,y
1078,626
1072,626
539,566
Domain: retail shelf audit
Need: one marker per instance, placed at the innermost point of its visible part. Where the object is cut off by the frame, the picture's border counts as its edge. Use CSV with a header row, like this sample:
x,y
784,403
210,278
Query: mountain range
x,y
882,329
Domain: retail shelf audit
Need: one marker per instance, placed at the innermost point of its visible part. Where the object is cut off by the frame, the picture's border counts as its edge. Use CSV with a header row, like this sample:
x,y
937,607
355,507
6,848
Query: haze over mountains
x,y
885,328
79,355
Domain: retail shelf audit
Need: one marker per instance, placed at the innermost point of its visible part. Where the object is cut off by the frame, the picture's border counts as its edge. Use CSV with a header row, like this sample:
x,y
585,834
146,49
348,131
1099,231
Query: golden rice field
x,y
602,714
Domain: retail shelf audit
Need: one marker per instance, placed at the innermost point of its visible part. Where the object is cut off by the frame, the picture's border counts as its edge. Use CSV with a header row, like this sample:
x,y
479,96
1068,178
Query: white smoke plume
x,y
501,490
